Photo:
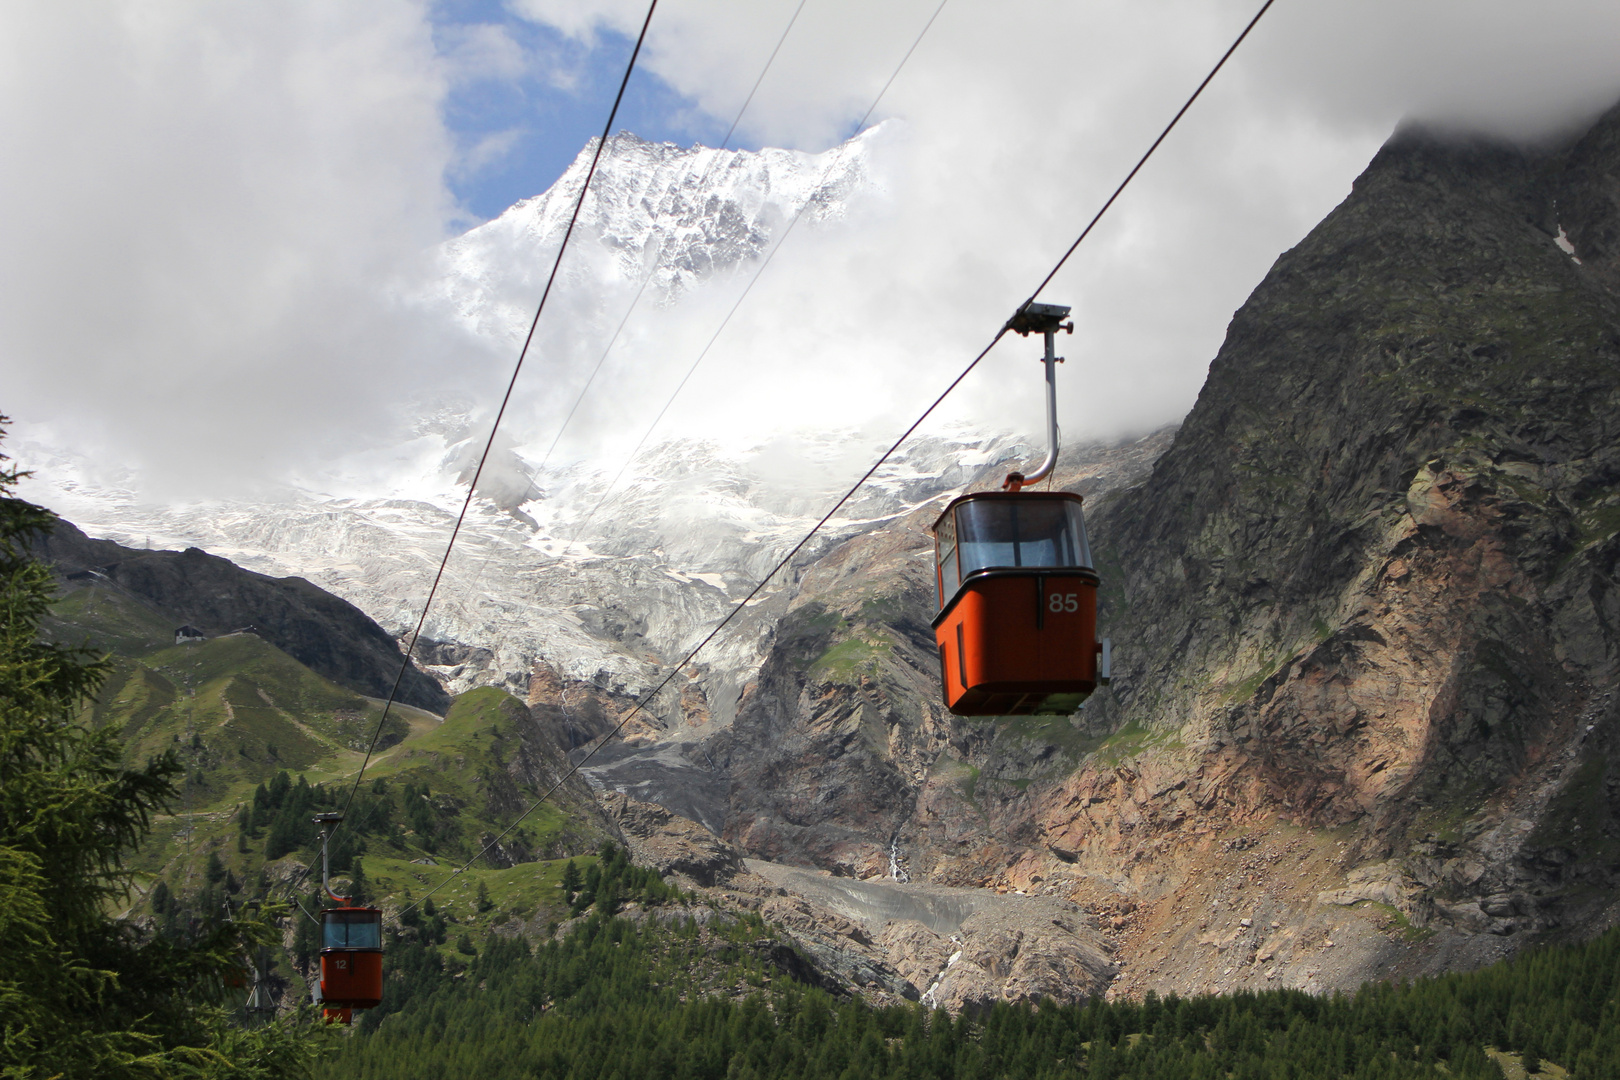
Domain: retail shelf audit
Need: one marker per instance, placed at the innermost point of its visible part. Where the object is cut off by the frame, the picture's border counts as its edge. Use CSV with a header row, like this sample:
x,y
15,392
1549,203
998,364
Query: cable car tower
x,y
351,947
1017,622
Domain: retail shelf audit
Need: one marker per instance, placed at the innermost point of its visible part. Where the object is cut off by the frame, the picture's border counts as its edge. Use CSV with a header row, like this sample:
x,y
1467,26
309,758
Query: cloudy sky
x,y
217,211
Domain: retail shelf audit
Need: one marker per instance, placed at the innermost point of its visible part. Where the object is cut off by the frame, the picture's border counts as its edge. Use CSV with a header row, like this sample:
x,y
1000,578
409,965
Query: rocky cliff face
x,y
1369,593
842,755
1363,720
330,636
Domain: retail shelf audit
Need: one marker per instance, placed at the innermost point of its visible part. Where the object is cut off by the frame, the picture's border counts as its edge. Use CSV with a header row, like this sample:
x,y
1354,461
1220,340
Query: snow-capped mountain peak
x,y
680,214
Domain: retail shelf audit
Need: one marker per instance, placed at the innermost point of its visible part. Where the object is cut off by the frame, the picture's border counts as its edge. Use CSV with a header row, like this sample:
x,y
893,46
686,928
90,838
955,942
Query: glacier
x,y
608,597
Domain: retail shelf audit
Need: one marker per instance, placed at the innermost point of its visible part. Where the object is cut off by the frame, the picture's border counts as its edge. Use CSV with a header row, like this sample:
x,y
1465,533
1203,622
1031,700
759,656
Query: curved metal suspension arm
x,y
1052,440
326,821
1049,326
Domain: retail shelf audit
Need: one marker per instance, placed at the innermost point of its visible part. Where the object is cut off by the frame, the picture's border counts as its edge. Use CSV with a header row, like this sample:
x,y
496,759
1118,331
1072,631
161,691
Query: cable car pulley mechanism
x,y
1046,320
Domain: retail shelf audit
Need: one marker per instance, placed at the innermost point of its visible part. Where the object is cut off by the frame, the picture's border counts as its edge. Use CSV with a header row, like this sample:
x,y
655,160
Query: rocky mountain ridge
x,y
1363,721
679,214
1363,716
212,596
1382,603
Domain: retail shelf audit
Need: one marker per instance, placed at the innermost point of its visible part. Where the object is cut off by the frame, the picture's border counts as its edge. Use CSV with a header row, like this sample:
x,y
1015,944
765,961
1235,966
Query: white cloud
x,y
206,206
1015,122
482,51
210,205
487,151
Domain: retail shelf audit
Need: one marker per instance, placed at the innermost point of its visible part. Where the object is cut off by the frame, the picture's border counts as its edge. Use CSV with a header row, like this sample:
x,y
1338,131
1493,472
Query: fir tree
x,y
1530,1055
85,994
570,881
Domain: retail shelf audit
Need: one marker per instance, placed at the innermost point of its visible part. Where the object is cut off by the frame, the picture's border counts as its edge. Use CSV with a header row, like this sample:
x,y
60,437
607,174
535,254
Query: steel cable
x,y
764,263
786,559
472,488
590,380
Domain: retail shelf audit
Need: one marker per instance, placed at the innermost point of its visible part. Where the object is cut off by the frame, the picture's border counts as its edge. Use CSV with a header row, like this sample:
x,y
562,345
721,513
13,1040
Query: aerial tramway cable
x,y
768,62
585,521
607,127
786,559
1174,120
337,820
826,174
646,280
506,398
590,379
579,529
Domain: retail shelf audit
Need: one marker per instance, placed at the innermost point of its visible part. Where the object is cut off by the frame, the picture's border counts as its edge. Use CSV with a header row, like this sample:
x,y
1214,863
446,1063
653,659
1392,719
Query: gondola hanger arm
x,y
327,821
1046,320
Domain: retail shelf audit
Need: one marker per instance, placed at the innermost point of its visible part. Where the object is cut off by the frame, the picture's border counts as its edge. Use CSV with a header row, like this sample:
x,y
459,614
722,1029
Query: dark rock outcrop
x,y
1377,563
1371,586
1365,615
330,636
671,844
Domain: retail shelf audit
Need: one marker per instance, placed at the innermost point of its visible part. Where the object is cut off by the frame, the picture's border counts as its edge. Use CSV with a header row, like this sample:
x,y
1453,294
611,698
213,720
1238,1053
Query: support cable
x,y
768,62
783,562
732,614
611,342
618,331
472,488
1227,55
825,176
645,281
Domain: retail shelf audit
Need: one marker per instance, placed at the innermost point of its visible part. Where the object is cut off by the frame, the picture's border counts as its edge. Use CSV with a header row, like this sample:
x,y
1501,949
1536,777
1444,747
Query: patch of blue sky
x,y
524,99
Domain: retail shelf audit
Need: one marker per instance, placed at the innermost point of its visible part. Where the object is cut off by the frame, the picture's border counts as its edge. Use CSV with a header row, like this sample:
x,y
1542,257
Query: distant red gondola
x,y
351,948
351,958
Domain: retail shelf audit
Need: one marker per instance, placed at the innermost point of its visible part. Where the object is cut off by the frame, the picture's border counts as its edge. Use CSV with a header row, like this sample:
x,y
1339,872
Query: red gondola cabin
x,y
351,958
1017,625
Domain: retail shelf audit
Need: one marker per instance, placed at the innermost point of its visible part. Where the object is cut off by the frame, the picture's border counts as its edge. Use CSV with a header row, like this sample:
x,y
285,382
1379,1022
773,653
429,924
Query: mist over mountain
x,y
562,564
1361,725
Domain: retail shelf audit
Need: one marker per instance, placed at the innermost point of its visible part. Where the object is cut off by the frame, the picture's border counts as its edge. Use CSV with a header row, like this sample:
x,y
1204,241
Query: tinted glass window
x,y
1046,535
1021,533
945,554
987,532
360,930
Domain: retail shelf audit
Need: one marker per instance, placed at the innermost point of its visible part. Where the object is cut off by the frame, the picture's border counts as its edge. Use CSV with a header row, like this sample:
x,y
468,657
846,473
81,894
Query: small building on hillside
x,y
189,635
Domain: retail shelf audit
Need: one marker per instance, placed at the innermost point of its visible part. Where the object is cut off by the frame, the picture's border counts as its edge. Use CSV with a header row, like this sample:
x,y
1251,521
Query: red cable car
x,y
351,948
351,958
1017,622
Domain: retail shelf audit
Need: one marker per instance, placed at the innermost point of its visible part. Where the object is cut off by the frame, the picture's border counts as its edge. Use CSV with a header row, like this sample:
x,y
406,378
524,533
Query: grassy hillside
x,y
266,743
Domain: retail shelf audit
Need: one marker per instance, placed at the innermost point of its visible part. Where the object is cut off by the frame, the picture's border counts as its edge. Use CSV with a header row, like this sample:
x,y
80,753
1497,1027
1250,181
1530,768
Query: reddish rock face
x,y
579,712
671,844
1363,720
1362,602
